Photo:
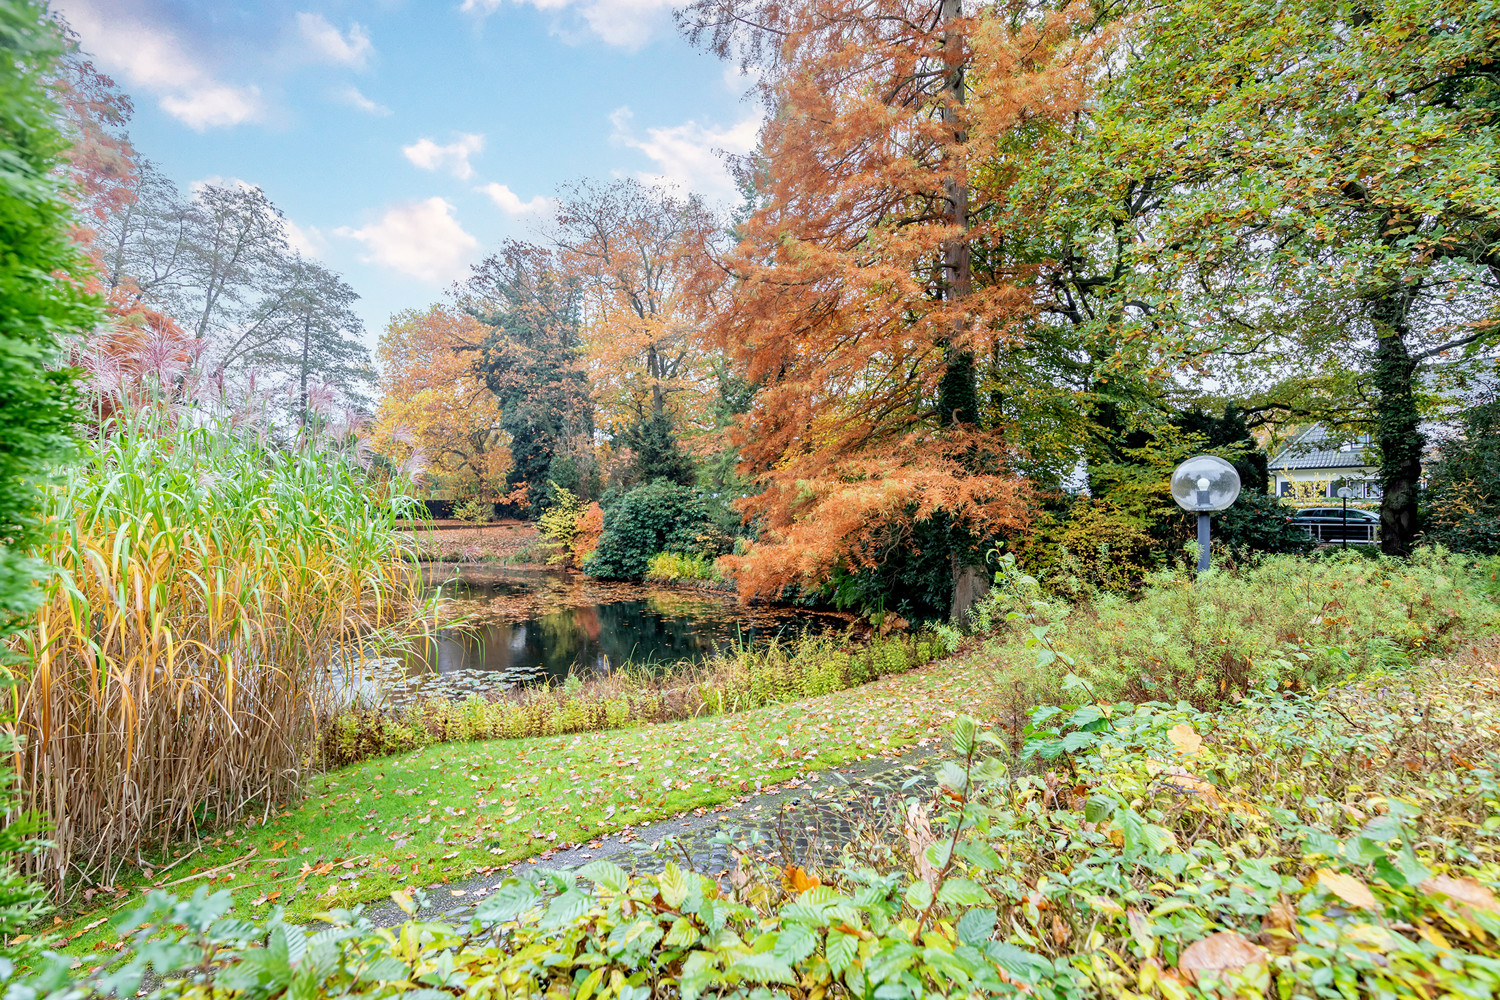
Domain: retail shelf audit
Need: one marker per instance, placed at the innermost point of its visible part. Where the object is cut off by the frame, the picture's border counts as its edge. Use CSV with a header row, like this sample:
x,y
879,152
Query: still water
x,y
528,626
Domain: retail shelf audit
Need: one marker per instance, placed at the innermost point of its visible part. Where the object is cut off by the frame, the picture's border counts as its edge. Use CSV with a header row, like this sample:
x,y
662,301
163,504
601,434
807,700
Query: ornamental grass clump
x,y
189,640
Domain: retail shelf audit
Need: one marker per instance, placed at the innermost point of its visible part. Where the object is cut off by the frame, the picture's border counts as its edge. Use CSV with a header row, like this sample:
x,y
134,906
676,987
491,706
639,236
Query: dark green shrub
x,y
1463,490
1258,522
660,516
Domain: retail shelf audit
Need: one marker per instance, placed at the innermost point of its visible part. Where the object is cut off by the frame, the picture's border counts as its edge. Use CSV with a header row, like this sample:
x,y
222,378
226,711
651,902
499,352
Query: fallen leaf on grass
x,y
1225,951
1348,888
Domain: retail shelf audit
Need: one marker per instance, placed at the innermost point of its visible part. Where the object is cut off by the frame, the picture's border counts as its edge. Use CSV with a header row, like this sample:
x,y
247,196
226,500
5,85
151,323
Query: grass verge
x,y
449,811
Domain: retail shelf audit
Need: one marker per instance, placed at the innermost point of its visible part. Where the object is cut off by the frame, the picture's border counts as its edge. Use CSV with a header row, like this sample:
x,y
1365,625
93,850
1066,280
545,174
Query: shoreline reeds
x,y
204,576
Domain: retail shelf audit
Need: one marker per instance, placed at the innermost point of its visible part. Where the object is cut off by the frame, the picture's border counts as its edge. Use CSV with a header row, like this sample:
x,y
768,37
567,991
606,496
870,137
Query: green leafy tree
x,y
1334,213
41,299
1464,485
530,362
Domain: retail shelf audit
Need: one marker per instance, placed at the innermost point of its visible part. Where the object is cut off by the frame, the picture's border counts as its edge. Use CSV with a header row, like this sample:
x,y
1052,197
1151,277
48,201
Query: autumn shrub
x,y
474,510
586,532
559,524
738,679
1088,547
1282,621
189,641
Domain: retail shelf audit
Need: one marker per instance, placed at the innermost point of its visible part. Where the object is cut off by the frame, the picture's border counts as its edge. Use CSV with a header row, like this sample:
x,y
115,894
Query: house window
x,y
1286,487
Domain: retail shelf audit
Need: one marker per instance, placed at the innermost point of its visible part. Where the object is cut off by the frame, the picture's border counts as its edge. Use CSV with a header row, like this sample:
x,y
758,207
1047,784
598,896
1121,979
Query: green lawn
x,y
453,810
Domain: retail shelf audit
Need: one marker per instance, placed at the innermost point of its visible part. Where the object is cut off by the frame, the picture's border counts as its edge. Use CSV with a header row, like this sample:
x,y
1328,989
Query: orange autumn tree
x,y
632,251
851,299
435,410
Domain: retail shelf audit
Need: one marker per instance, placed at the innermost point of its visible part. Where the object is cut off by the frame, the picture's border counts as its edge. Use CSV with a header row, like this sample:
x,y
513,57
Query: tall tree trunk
x,y
1397,427
958,392
958,401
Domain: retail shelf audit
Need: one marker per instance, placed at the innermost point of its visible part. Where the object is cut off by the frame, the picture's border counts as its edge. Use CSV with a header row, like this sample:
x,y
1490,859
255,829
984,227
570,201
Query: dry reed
x,y
205,582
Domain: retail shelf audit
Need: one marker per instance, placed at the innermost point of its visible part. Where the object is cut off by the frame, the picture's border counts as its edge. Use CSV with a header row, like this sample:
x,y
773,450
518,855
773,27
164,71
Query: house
x,y
1319,461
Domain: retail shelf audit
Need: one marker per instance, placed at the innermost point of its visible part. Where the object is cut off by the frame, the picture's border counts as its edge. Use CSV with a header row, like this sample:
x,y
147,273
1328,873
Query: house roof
x,y
1318,448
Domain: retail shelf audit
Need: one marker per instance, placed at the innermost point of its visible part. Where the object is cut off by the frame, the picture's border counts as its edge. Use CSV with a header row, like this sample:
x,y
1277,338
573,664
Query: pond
x,y
530,626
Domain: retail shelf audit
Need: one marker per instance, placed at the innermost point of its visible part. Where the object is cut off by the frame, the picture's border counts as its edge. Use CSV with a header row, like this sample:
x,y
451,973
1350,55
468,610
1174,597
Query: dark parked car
x,y
1329,524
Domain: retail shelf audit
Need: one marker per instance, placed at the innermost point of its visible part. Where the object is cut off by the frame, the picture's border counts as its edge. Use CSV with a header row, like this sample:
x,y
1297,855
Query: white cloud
x,y
352,96
454,157
218,180
625,23
689,155
309,242
511,204
329,44
214,106
152,59
422,240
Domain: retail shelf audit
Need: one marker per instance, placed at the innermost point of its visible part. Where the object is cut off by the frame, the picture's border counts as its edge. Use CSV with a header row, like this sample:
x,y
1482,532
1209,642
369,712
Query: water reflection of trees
x,y
656,630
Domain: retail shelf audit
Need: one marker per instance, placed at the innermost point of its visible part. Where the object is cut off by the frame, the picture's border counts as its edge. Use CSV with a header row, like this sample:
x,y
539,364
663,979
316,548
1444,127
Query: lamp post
x,y
1344,496
1202,485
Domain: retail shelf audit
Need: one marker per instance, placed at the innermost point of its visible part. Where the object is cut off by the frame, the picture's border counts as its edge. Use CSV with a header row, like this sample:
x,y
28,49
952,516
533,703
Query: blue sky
x,y
406,138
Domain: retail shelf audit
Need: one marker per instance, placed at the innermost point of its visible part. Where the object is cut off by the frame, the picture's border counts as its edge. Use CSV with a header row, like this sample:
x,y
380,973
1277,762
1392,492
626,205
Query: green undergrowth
x,y
743,678
1340,845
1285,622
671,567
450,810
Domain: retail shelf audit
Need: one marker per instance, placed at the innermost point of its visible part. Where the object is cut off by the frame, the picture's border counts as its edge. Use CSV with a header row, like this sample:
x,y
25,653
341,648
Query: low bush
x,y
559,524
738,680
670,567
660,516
1342,846
1282,621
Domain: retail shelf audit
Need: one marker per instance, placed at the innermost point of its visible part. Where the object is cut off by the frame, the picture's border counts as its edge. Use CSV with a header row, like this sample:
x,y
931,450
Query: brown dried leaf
x,y
1187,742
1221,952
799,879
1466,890
1279,924
1348,888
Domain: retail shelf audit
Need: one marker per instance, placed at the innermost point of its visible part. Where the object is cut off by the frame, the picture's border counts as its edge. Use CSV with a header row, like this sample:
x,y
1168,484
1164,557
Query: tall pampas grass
x,y
207,577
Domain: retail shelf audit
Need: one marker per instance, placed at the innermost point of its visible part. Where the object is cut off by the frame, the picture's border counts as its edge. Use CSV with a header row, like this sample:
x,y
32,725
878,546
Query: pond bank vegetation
x,y
740,679
180,659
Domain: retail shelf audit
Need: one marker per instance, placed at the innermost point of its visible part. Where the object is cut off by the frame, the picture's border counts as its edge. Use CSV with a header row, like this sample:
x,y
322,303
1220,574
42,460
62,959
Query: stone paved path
x,y
799,823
